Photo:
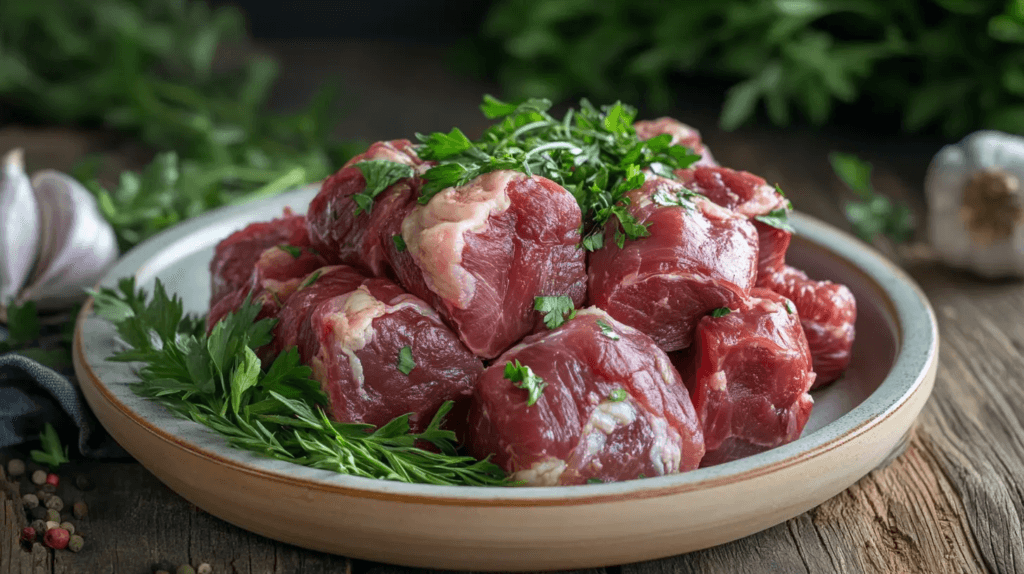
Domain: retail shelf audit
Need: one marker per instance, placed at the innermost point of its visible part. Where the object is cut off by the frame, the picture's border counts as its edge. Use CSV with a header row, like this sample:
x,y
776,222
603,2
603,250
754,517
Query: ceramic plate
x,y
856,424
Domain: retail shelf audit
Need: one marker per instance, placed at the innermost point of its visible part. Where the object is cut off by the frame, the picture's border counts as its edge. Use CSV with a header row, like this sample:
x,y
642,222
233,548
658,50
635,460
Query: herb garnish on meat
x,y
216,380
592,152
556,309
524,378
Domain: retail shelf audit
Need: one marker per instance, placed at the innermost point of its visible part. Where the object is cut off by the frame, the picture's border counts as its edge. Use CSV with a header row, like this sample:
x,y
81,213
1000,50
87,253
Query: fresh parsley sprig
x,y
217,380
523,377
53,454
592,152
557,309
873,214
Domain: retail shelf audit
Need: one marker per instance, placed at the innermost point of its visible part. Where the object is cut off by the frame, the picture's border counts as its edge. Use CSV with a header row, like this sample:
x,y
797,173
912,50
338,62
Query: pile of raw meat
x,y
691,347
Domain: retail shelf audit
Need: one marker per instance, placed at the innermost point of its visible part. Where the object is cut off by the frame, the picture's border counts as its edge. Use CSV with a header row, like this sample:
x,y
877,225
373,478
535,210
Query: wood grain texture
x,y
953,502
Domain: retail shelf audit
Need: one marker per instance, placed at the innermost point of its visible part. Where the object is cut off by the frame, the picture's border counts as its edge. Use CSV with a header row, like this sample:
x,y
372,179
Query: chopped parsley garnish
x,y
399,242
556,309
778,218
789,308
216,380
592,152
405,362
379,175
524,378
594,481
682,198
607,330
295,252
310,280
618,395
721,312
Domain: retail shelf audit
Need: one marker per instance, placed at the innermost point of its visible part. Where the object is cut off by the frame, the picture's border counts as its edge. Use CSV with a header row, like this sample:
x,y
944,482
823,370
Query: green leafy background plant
x,y
955,65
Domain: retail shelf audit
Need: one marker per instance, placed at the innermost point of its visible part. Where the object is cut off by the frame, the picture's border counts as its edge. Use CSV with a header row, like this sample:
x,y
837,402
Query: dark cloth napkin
x,y
32,394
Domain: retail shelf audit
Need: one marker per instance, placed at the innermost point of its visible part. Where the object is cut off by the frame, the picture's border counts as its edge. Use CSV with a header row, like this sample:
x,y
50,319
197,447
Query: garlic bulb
x,y
976,204
55,242
19,226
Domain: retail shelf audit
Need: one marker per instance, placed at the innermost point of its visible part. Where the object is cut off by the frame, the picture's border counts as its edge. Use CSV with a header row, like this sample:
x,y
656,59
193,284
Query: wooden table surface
x,y
953,502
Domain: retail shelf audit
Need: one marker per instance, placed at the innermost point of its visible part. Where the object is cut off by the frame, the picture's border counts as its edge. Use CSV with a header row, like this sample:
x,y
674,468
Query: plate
x,y
856,425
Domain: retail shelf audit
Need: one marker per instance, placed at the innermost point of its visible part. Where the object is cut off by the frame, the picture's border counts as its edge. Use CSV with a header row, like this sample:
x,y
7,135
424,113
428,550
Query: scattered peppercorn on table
x,y
950,503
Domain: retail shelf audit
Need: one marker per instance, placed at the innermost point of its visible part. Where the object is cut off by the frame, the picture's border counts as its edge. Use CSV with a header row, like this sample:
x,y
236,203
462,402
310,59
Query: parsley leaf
x,y
523,377
872,214
721,312
405,362
399,243
379,175
311,279
607,330
594,481
777,218
556,309
789,307
295,252
23,326
53,454
683,198
618,395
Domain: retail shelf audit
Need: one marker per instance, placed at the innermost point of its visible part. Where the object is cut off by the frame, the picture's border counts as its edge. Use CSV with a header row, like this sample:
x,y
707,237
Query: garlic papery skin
x,y
19,227
975,193
77,245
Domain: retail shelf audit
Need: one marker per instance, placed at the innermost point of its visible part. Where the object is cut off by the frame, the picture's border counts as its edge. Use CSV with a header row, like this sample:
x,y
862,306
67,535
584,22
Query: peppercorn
x,y
53,516
164,566
39,526
68,526
50,525
57,538
49,488
43,496
55,503
204,568
53,479
75,543
83,483
39,477
185,569
15,467
80,510
28,534
38,513
30,501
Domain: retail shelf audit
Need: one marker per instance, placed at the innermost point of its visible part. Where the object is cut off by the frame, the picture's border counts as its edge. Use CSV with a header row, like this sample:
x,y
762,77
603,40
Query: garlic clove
x,y
78,244
19,227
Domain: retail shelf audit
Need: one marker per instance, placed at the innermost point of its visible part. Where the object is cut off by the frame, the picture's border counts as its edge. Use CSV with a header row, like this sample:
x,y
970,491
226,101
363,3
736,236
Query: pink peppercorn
x,y
28,534
53,479
57,538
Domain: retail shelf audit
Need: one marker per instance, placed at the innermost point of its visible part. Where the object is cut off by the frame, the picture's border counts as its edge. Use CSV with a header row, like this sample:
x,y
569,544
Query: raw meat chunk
x,y
748,195
698,257
354,343
827,312
480,253
235,256
277,274
614,408
748,373
334,227
319,286
681,133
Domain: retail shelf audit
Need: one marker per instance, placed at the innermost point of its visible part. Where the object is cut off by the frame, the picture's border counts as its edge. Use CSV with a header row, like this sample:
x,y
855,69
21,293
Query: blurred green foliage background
x,y
954,65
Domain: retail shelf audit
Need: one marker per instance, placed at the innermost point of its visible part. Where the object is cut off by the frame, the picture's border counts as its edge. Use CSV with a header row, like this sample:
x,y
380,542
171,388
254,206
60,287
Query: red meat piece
x,y
699,257
480,253
235,256
277,274
336,230
353,343
748,373
681,133
319,286
827,312
748,195
613,409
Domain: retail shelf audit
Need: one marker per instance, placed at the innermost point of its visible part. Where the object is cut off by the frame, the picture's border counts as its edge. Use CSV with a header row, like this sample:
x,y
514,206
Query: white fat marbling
x,y
542,473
